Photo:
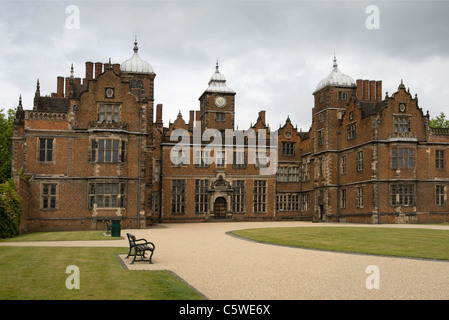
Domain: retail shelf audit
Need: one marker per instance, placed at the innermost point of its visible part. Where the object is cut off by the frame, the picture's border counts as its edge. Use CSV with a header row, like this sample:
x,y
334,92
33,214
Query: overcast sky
x,y
272,53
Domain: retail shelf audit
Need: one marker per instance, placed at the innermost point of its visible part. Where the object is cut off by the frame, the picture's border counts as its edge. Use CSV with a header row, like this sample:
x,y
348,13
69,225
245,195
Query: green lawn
x,y
61,236
39,273
408,242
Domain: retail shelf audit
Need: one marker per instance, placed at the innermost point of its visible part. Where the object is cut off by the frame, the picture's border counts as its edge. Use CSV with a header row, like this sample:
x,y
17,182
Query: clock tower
x,y
217,104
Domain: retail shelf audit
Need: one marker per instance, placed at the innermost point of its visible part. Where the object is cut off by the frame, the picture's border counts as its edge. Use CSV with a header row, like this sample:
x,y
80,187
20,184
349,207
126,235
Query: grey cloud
x,y
273,53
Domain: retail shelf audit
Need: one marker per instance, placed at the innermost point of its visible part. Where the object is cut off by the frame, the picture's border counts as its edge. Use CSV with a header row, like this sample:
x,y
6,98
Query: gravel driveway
x,y
222,267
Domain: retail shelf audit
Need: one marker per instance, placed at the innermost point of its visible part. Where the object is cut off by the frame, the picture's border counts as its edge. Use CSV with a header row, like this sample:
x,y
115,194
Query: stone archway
x,y
220,194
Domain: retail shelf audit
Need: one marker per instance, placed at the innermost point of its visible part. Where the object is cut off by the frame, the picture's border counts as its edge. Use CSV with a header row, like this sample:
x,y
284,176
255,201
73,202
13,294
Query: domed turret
x,y
136,64
336,79
217,83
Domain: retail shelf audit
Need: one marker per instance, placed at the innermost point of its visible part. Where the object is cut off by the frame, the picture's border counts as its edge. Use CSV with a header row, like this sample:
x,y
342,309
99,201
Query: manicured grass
x,y
62,236
31,273
408,242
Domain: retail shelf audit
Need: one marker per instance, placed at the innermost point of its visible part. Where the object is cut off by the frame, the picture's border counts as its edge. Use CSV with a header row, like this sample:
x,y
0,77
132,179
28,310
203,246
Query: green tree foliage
x,y
6,130
439,121
10,210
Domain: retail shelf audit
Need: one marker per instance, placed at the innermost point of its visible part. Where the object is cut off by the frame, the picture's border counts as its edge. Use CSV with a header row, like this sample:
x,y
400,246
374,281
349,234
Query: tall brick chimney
x,y
372,90
159,123
116,67
379,90
60,87
191,119
262,116
365,90
359,89
198,115
67,87
98,69
89,71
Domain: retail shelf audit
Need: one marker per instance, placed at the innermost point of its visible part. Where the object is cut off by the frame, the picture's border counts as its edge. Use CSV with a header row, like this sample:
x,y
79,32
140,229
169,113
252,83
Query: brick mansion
x,y
97,149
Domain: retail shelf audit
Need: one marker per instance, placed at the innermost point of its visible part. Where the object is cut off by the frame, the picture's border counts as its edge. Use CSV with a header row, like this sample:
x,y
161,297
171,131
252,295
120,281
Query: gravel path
x,y
221,266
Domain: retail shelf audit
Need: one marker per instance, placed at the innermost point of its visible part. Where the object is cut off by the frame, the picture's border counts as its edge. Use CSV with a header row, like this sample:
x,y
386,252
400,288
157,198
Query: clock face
x,y
220,102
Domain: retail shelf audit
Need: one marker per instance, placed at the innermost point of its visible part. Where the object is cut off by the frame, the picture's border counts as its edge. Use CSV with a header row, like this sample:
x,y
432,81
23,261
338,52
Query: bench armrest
x,y
144,242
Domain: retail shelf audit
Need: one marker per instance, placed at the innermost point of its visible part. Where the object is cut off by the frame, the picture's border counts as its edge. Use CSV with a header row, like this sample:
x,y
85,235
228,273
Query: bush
x,y
10,210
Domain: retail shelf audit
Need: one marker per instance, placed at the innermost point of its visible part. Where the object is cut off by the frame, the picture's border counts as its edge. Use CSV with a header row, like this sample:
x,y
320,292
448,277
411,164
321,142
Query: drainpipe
x,y
378,171
75,108
300,184
338,176
140,157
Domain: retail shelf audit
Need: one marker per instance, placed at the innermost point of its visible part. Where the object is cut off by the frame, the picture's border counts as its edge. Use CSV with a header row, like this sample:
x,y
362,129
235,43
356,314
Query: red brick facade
x,y
97,150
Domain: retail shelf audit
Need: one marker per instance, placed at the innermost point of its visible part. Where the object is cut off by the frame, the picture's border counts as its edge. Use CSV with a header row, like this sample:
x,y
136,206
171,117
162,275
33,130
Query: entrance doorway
x,y
220,207
320,212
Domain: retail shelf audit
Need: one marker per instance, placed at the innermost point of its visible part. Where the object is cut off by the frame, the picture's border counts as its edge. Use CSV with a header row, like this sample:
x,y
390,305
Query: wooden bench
x,y
139,247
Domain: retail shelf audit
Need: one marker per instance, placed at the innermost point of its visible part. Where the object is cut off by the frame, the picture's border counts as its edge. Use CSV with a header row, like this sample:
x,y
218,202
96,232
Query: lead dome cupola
x,y
135,64
336,79
217,83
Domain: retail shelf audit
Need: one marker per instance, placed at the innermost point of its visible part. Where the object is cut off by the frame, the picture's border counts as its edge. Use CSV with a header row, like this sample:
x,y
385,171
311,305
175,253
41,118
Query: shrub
x,y
10,210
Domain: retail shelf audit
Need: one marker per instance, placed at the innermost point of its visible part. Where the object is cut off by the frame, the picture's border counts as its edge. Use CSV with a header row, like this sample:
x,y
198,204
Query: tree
x,y
439,121
10,210
6,131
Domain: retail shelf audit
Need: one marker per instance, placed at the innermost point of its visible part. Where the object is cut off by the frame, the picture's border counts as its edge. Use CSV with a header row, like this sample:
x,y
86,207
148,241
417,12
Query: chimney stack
x,y
60,87
116,67
89,71
379,90
159,123
67,87
198,115
365,90
359,89
191,119
262,116
98,69
372,90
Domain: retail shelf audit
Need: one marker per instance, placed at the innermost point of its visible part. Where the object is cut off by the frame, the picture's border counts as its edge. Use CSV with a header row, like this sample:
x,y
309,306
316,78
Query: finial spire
x,y
216,66
71,71
38,87
20,101
135,44
335,61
